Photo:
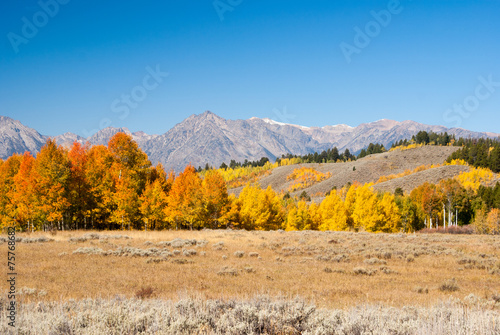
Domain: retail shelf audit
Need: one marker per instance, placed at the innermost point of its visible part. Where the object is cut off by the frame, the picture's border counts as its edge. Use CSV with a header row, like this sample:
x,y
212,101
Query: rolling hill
x,y
370,169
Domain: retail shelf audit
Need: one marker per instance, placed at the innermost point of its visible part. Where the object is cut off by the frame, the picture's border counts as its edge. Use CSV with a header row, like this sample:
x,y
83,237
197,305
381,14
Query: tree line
x,y
479,153
116,187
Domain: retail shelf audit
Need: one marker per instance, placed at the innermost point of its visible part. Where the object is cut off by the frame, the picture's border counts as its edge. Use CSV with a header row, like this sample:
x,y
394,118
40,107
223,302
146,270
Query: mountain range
x,y
208,138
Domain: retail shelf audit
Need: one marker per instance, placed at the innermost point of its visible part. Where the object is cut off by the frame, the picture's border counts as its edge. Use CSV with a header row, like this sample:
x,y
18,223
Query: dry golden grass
x,y
318,266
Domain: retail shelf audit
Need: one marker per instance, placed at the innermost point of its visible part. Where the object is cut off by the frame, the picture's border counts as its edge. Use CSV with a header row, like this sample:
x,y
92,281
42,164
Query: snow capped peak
x,y
269,121
342,125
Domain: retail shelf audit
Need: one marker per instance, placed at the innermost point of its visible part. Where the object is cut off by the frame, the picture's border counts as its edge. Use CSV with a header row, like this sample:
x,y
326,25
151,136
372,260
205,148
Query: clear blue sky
x,y
263,57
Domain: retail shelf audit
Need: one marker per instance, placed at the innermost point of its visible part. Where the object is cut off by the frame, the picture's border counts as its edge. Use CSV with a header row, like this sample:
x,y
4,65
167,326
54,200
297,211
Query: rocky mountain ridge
x,y
208,138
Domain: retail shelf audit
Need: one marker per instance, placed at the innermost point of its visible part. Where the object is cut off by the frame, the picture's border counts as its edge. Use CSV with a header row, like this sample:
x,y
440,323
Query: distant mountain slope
x,y
17,138
208,138
67,139
383,131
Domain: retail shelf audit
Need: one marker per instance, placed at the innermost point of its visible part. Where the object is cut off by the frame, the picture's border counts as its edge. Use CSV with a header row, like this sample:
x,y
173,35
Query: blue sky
x,y
88,64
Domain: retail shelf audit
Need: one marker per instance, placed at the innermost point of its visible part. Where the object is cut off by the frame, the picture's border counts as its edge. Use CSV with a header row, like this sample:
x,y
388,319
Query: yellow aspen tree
x,y
365,214
350,195
493,221
260,209
232,217
248,200
292,219
480,223
215,197
475,177
314,216
153,202
390,216
298,217
334,214
271,215
125,197
303,214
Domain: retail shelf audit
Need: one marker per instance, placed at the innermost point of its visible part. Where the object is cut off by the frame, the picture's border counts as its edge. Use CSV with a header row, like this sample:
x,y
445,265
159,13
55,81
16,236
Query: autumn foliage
x,y
116,187
304,177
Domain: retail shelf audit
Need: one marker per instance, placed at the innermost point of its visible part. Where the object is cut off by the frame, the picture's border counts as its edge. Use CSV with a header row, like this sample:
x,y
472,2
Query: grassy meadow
x,y
333,271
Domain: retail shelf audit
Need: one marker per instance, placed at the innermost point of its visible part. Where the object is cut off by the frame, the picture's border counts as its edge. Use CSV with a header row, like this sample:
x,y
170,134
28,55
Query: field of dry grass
x,y
337,272
333,269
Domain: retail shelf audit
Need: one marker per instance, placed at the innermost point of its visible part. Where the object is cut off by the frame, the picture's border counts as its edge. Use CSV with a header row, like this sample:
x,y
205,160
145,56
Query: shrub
x,y
387,270
218,246
41,239
466,230
181,261
249,269
421,290
374,260
89,251
189,252
95,236
258,315
363,271
449,286
227,271
144,292
239,254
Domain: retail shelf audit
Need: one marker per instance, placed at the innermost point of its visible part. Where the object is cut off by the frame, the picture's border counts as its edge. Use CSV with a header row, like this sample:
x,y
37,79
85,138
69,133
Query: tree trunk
x,y
449,218
444,217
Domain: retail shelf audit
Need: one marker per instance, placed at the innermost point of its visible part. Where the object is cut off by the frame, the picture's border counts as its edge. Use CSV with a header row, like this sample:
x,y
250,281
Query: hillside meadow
x,y
334,271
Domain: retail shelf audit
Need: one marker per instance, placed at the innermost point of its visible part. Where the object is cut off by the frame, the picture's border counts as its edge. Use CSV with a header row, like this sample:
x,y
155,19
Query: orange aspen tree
x,y
51,173
8,208
101,186
79,187
126,152
185,200
24,192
